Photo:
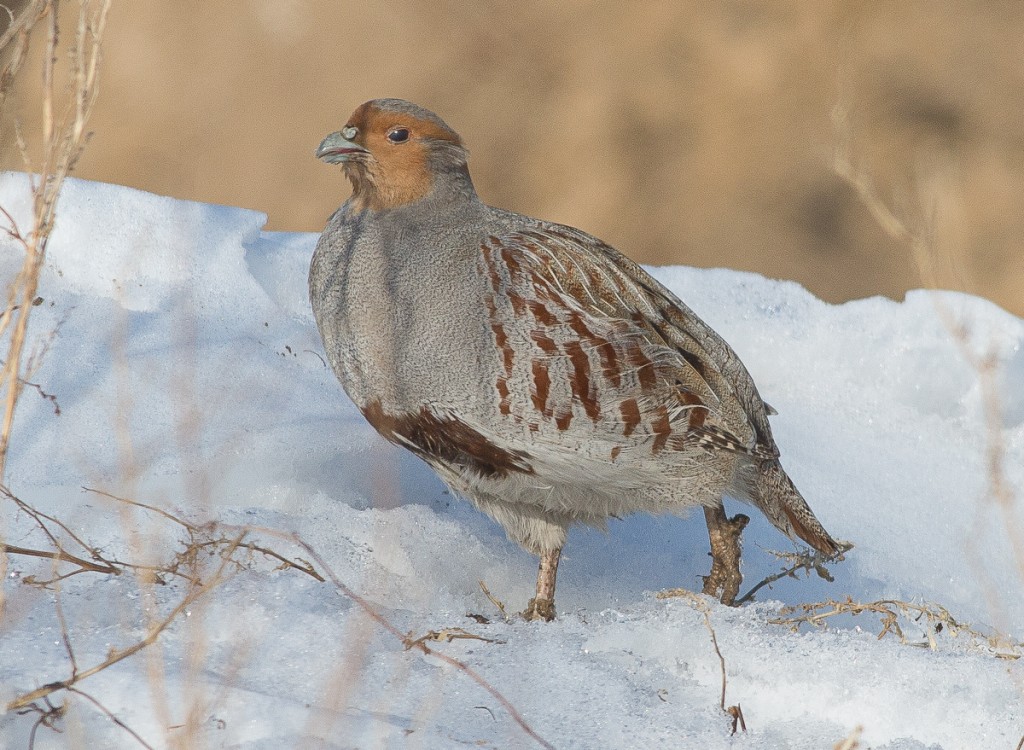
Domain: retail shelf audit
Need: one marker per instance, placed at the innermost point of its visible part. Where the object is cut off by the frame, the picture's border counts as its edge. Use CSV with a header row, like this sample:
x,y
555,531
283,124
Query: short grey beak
x,y
335,149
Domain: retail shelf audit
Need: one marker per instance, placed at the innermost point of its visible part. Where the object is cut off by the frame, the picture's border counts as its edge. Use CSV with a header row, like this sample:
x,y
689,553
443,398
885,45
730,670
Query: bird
x,y
542,374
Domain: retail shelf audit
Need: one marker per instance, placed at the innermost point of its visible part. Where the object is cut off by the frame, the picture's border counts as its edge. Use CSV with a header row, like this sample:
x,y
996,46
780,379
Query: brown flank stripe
x,y
697,411
630,410
545,343
661,428
542,314
509,259
503,406
605,349
580,380
507,353
518,303
541,387
642,365
447,440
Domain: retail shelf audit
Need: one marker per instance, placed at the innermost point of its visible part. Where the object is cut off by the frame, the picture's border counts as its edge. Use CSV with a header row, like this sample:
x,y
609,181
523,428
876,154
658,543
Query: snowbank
x,y
188,374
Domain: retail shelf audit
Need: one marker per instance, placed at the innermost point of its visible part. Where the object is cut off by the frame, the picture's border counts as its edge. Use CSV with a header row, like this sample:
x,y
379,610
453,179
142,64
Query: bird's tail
x,y
786,508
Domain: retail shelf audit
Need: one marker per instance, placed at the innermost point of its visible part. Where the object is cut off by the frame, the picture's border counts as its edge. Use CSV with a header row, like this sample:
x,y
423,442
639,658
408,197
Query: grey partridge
x,y
543,375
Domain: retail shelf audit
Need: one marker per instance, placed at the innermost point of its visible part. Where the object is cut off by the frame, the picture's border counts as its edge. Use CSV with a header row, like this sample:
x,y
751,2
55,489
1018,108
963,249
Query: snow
x,y
190,377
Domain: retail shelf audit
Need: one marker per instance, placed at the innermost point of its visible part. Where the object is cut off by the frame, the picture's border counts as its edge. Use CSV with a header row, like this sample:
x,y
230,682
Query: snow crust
x,y
189,376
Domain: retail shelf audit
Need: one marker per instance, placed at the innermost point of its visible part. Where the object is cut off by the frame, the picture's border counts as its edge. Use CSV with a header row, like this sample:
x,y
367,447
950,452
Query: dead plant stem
x,y
117,655
63,139
377,617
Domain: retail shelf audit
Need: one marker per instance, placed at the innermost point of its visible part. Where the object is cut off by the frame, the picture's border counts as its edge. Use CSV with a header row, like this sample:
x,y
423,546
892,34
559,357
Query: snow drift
x,y
188,374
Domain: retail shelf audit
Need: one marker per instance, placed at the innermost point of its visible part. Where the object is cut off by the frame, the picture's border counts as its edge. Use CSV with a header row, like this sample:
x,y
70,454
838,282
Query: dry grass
x,y
690,132
700,604
208,556
420,644
228,546
937,259
851,741
65,114
806,562
932,619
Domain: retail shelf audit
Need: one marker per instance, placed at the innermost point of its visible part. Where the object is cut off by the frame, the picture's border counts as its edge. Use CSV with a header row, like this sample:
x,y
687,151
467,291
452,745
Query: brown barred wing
x,y
585,355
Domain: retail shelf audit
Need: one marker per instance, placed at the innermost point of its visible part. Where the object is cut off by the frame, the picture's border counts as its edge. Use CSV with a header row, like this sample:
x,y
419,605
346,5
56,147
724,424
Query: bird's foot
x,y
540,609
723,582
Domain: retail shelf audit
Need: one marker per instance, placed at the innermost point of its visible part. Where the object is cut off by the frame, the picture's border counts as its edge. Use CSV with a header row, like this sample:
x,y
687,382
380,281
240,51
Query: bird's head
x,y
395,152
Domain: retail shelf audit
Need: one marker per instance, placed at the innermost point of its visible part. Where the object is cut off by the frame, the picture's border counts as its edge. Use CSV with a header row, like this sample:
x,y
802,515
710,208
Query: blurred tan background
x,y
698,133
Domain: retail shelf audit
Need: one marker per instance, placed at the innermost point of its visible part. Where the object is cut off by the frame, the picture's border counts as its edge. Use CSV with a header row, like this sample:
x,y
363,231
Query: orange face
x,y
386,154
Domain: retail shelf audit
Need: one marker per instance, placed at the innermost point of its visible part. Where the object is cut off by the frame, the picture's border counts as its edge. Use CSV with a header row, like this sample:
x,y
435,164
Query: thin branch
x,y
194,594
38,517
377,617
701,606
48,717
62,556
110,715
721,659
300,565
58,604
137,504
49,62
115,657
934,618
446,635
44,395
63,140
494,600
806,561
25,21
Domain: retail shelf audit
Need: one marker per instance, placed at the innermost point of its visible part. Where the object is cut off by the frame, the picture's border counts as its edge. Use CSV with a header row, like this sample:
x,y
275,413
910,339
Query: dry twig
x,y
701,606
808,561
934,619
220,545
49,715
852,741
494,600
194,593
383,622
447,635
99,563
110,715
63,139
84,565
196,544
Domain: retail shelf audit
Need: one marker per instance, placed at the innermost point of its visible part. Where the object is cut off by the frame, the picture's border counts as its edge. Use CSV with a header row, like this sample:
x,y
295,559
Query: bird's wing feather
x,y
693,339
611,345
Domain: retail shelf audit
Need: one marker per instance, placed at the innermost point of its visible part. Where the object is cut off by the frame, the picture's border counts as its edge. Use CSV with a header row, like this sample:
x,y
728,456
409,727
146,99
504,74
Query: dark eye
x,y
398,135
